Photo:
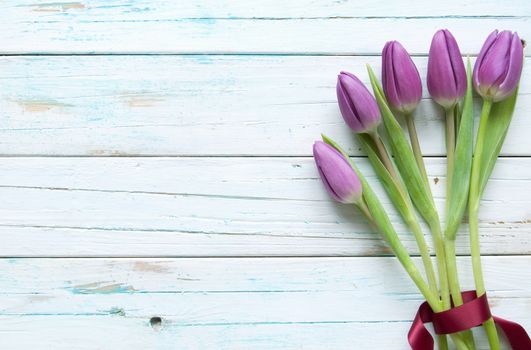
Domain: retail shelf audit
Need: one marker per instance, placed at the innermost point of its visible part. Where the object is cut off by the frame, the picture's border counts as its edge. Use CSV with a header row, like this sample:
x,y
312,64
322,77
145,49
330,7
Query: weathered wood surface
x,y
220,207
275,303
329,27
213,217
196,105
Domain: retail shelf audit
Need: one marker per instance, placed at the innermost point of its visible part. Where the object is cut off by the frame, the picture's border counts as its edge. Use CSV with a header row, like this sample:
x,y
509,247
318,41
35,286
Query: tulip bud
x,y
400,78
338,176
446,70
357,105
498,66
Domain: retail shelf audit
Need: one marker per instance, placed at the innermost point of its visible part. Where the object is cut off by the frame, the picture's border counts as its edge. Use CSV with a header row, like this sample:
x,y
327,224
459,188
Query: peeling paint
x,y
40,105
143,101
144,266
102,288
117,311
58,6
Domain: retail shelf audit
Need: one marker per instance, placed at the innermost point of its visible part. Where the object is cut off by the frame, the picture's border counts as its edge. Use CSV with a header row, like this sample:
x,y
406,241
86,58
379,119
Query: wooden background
x,y
157,189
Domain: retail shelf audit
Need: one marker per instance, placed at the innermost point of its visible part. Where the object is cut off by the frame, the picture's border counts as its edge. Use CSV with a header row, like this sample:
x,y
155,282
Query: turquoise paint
x,y
102,288
118,311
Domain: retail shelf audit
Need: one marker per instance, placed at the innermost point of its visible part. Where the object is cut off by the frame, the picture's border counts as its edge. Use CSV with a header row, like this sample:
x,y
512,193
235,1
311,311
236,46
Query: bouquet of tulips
x,y
400,168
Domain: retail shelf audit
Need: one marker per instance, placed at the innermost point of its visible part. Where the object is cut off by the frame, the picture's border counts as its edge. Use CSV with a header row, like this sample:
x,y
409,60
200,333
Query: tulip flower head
x,y
338,176
446,70
400,78
357,105
499,65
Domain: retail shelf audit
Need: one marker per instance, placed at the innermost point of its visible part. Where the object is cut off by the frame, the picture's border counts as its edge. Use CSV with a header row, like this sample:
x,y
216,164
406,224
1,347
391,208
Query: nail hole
x,y
155,322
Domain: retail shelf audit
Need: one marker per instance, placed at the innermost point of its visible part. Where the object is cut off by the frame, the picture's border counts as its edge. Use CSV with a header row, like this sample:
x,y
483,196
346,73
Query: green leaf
x,y
399,198
497,127
462,163
404,157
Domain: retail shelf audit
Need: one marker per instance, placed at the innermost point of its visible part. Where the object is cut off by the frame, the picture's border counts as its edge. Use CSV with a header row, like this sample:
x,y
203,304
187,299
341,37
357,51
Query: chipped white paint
x,y
203,117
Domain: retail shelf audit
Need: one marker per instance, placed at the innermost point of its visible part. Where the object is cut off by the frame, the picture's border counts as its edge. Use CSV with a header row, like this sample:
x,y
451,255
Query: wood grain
x,y
351,27
220,207
279,303
196,105
155,164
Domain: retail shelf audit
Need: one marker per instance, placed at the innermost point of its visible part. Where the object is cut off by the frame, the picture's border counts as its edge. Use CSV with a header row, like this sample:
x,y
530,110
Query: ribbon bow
x,y
474,311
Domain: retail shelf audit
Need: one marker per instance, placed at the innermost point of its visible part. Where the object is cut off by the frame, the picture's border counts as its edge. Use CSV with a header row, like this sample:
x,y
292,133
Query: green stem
x,y
442,341
473,211
405,260
428,267
425,254
411,220
450,151
384,156
415,145
362,206
451,265
441,263
459,339
455,288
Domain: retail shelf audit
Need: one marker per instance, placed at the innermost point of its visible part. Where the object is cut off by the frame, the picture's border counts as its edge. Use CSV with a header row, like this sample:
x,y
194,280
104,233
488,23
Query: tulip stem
x,y
473,211
362,206
455,288
384,156
415,145
450,150
451,263
413,272
441,263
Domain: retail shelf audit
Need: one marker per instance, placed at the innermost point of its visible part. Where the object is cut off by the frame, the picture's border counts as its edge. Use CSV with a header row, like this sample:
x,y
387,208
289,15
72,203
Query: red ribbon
x,y
474,311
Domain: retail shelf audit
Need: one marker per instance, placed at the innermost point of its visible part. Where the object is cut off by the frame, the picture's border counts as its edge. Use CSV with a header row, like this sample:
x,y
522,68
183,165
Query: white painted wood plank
x,y
219,207
195,105
274,27
215,9
286,303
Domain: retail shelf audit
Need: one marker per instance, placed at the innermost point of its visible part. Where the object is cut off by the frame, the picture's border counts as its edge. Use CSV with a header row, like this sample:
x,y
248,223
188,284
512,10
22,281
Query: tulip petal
x,y
440,80
338,177
494,66
516,59
484,49
407,78
346,107
458,66
357,105
388,76
400,78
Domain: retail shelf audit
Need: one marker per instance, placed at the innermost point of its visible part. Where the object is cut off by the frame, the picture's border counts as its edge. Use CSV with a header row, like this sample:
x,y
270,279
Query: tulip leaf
x,y
399,198
497,126
404,158
462,163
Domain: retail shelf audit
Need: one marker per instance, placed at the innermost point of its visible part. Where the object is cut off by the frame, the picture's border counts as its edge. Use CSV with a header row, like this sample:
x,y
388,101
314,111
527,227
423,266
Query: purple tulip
x,y
339,179
446,70
400,78
357,105
498,66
